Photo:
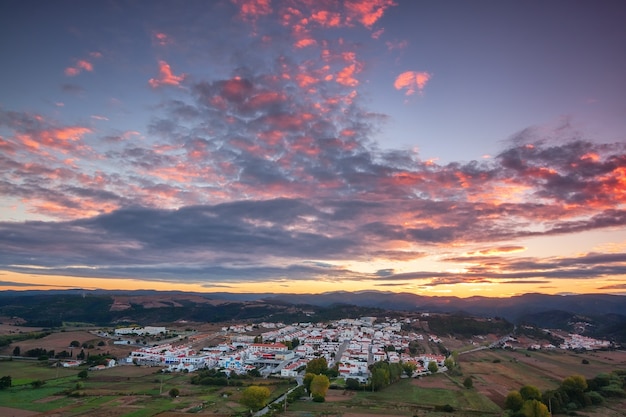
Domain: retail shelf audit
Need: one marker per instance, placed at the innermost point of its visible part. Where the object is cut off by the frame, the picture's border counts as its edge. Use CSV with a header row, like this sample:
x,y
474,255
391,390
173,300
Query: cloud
x,y
367,12
22,284
250,10
268,169
166,77
161,39
412,82
81,65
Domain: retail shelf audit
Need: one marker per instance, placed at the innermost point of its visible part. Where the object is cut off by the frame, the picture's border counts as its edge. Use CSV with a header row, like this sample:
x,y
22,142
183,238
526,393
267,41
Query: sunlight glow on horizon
x,y
25,282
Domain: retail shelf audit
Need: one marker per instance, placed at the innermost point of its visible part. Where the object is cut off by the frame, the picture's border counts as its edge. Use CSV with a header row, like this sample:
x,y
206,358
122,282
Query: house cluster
x,y
576,341
351,344
140,331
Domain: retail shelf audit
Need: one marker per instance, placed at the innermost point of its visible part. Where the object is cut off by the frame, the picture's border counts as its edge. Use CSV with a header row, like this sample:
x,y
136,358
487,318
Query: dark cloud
x,y
22,284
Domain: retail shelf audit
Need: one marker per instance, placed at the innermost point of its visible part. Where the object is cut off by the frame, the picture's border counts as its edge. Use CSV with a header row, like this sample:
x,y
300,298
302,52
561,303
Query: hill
x,y
594,314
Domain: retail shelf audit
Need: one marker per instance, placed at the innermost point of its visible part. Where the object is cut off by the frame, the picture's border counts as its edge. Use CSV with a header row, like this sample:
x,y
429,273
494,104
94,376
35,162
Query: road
x,y
279,400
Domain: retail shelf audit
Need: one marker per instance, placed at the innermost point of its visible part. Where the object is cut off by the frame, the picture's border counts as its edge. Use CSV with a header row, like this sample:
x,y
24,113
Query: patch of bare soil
x,y
335,395
47,399
435,381
16,412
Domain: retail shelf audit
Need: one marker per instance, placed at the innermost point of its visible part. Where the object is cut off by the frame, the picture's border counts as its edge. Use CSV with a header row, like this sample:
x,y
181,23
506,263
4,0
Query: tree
x,y
83,374
514,401
16,351
5,382
255,397
575,387
308,378
174,392
353,384
395,372
468,382
535,408
74,343
317,366
449,362
529,392
433,367
380,378
574,384
409,368
319,387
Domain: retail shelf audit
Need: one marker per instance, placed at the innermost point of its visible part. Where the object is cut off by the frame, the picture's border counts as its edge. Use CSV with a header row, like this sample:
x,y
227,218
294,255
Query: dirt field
x,y
496,373
443,383
15,412
60,341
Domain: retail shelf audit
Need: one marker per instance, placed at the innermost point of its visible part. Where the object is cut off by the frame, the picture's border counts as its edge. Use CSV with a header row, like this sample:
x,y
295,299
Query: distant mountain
x,y
512,308
602,313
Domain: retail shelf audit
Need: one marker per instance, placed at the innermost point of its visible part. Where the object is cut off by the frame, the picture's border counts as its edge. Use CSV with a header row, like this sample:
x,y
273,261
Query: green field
x,y
128,391
402,398
135,391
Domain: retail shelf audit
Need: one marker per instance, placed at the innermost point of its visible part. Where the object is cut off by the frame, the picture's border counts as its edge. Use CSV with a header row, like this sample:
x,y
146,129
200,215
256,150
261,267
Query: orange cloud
x,y
367,12
346,76
82,65
250,10
326,18
166,77
56,138
412,81
303,43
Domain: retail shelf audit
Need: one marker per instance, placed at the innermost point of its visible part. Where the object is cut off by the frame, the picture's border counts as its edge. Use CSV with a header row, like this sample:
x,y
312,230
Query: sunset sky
x,y
440,148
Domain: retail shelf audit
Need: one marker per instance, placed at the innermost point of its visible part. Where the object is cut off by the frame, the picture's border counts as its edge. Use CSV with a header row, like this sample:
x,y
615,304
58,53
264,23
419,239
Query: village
x,y
277,349
352,345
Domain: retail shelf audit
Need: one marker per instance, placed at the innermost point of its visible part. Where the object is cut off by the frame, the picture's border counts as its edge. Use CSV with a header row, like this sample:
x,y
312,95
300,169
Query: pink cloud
x,y
367,12
326,18
346,76
161,39
303,43
166,77
251,10
412,81
82,65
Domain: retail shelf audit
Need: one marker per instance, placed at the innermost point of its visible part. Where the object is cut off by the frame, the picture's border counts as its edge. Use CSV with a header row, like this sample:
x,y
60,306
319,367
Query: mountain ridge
x,y
511,308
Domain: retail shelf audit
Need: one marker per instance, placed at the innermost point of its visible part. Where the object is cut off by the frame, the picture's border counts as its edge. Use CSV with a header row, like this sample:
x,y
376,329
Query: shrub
x,y
318,398
37,383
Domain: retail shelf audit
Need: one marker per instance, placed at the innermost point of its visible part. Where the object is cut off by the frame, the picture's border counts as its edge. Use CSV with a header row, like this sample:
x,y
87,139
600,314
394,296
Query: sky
x,y
465,148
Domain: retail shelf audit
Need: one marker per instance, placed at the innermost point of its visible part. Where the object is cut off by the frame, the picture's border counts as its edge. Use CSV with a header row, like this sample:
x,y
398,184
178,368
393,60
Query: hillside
x,y
593,314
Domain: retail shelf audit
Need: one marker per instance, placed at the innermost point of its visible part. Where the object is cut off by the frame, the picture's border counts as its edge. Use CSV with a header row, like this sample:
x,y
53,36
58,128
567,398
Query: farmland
x,y
143,391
